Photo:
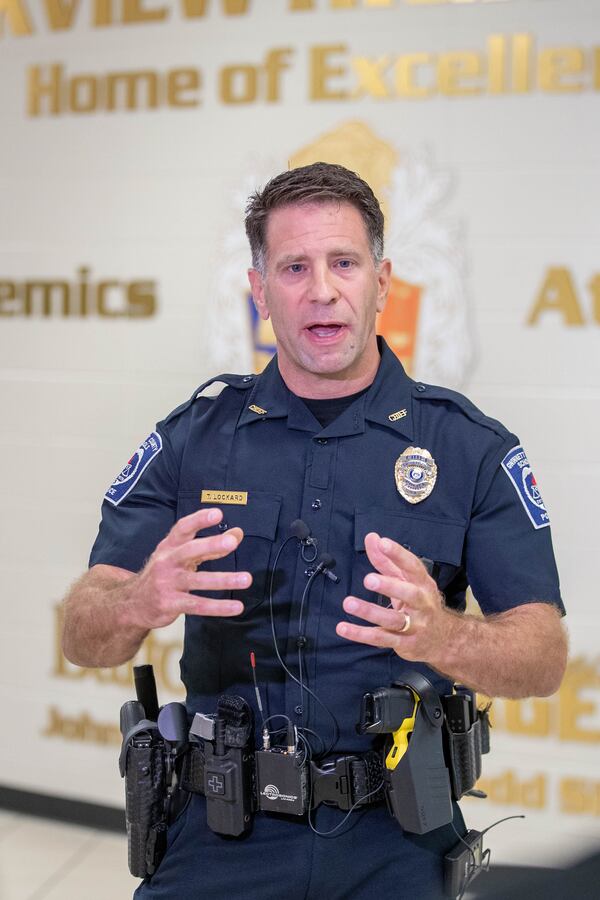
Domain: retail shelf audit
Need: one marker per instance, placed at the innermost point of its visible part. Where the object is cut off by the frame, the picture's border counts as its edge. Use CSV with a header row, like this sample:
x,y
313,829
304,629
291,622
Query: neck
x,y
318,386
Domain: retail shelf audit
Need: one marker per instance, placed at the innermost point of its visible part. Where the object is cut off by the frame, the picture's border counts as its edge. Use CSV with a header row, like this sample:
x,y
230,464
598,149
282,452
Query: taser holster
x,y
426,763
416,777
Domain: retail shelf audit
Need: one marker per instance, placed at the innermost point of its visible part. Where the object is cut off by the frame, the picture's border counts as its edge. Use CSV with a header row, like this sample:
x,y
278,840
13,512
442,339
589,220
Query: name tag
x,y
239,498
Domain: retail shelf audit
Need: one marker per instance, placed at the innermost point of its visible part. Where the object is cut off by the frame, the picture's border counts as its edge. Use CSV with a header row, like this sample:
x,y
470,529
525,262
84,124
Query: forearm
x,y
98,629
499,657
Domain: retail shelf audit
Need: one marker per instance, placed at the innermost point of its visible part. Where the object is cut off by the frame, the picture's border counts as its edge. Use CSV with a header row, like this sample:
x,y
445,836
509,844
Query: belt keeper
x,y
192,773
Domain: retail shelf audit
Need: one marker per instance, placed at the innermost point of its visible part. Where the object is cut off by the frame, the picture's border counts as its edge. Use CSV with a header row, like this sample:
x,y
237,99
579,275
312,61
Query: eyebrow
x,y
300,257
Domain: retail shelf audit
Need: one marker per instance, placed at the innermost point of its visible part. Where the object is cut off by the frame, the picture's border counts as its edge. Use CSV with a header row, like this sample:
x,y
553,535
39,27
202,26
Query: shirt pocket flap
x,y
258,517
437,539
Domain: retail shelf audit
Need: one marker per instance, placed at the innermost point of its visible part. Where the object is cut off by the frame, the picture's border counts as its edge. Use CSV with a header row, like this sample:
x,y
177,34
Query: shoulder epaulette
x,y
243,382
433,392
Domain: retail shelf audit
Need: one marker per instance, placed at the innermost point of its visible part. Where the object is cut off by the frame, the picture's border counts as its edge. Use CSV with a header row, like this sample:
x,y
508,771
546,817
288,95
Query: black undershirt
x,y
325,411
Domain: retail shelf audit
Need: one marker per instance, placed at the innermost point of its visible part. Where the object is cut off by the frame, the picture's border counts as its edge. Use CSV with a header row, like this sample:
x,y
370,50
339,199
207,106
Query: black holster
x,y
143,764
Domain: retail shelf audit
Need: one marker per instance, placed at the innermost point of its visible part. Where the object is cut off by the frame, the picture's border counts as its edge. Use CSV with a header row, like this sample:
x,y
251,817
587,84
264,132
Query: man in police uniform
x,y
410,488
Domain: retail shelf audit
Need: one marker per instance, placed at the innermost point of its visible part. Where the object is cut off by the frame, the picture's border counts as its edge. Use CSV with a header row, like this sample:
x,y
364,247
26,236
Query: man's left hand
x,y
417,622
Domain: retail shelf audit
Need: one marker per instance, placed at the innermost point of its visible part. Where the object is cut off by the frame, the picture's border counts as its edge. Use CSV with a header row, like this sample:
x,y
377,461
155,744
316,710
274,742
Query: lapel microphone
x,y
324,565
308,544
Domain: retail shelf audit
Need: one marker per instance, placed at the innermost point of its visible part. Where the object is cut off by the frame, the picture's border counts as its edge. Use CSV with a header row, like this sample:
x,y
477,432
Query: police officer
x,y
407,494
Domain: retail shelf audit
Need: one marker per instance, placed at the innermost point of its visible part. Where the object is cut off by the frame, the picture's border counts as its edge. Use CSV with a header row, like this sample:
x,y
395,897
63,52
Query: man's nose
x,y
323,288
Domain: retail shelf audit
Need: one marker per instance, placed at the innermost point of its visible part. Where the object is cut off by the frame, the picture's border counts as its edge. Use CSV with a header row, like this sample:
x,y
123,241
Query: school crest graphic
x,y
426,319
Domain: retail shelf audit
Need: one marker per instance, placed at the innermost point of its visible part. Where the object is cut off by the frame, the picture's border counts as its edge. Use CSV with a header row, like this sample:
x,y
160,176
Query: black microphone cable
x,y
302,533
324,564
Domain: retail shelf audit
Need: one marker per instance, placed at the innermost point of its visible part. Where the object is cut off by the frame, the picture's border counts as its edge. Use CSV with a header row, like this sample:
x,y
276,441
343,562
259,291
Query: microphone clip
x,y
308,549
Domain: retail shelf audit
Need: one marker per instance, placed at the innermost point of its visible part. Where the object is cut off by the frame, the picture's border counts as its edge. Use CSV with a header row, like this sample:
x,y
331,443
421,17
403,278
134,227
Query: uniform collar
x,y
388,402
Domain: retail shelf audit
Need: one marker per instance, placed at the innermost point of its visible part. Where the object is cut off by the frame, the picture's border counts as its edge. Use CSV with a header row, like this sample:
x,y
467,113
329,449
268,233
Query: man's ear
x,y
384,277
257,288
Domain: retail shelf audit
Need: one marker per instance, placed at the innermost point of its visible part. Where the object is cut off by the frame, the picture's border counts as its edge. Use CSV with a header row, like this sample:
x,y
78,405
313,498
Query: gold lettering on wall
x,y
107,298
578,714
574,795
511,788
322,68
557,66
455,70
408,78
572,714
528,717
247,83
14,13
83,728
558,295
510,64
580,796
51,91
60,15
140,11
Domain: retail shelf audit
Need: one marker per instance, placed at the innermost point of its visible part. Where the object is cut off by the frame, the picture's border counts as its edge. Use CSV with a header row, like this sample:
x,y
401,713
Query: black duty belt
x,y
346,781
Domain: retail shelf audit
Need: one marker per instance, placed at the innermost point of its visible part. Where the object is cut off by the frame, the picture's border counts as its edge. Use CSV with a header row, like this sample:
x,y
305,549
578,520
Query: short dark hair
x,y
319,182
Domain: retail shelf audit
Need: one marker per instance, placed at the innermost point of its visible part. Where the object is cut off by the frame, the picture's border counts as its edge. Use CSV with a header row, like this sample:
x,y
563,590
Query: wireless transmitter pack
x,y
463,863
282,780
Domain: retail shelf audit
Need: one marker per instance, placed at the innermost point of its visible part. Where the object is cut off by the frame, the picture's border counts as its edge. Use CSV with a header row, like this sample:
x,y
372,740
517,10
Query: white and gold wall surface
x,y
131,133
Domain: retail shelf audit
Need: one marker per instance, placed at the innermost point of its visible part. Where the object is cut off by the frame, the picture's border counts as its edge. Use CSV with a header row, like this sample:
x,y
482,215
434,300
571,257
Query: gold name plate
x,y
240,498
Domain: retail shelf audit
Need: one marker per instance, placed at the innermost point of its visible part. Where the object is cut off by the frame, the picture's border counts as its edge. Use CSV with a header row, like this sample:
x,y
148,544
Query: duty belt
x,y
343,781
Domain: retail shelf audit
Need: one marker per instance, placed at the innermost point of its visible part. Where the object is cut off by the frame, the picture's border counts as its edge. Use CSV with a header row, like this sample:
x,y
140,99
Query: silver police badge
x,y
416,474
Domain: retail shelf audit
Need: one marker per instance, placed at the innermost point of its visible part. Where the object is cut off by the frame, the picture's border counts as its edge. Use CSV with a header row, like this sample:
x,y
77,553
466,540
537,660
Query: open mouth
x,y
325,331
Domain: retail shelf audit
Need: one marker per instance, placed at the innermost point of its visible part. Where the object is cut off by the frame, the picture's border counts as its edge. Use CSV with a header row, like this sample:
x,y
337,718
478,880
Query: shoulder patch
x,y
131,474
516,465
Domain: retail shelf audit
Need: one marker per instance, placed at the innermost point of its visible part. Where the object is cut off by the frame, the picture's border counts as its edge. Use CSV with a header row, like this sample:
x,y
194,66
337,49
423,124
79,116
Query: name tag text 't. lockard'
x,y
239,498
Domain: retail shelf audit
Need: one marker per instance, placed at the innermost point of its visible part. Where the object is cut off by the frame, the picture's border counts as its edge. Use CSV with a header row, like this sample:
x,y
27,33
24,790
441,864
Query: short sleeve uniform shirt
x,y
258,453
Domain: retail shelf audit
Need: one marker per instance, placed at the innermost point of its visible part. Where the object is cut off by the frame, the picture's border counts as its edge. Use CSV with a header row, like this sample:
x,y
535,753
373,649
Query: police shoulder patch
x,y
516,466
131,474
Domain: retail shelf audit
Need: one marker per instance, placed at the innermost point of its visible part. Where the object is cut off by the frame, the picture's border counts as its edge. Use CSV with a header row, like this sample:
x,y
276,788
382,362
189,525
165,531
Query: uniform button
x,y
298,710
223,526
421,387
247,378
300,642
321,440
316,504
308,572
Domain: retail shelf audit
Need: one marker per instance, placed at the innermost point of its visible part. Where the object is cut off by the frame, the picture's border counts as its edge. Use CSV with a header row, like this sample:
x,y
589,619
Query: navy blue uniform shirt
x,y
483,525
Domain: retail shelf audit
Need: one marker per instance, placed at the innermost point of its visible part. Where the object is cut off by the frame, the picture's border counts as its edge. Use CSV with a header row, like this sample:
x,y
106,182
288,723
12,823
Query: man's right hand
x,y
162,590
109,611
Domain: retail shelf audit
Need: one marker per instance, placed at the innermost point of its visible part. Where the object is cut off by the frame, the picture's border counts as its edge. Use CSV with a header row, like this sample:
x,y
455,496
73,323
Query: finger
x,y
185,528
214,581
401,593
201,550
375,637
391,558
378,558
205,606
390,619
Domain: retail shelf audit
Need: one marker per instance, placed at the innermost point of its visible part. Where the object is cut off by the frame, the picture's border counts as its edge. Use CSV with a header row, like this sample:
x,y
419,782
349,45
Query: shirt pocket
x,y
258,518
438,542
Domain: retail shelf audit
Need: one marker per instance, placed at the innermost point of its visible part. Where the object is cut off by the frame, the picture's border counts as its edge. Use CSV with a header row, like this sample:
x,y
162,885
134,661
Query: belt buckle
x,y
332,784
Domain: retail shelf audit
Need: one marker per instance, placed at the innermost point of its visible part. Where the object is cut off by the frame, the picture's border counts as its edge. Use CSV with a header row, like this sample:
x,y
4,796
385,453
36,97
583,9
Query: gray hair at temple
x,y
318,183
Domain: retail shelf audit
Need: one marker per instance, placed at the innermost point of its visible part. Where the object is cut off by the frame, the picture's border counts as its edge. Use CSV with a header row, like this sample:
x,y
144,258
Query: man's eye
x,y
345,263
296,267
